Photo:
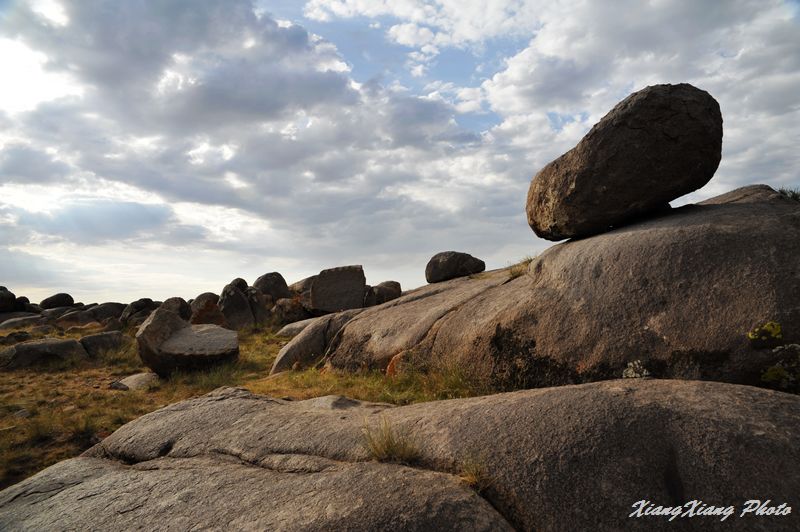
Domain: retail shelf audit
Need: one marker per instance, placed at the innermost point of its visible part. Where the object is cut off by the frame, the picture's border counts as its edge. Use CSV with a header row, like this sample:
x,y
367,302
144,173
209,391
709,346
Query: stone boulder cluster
x,y
628,354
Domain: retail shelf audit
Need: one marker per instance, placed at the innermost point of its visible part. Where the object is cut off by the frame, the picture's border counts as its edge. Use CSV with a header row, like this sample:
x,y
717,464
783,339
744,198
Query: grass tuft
x,y
475,474
520,268
385,444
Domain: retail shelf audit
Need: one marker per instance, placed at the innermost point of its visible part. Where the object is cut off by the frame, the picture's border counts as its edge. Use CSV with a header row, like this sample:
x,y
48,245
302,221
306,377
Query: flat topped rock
x,y
168,343
566,458
207,339
656,145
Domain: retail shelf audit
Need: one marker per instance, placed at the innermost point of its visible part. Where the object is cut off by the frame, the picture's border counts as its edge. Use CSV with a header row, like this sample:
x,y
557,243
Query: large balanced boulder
x,y
205,309
678,293
274,285
43,351
566,458
451,264
656,145
57,300
168,343
337,289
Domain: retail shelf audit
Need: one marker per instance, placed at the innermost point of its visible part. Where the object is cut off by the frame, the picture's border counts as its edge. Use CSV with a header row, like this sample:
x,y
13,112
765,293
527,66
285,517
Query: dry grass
x,y
387,444
70,407
520,268
474,473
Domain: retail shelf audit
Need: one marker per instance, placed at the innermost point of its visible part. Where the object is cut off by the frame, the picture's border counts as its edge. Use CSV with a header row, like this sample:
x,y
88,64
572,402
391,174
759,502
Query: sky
x,y
163,148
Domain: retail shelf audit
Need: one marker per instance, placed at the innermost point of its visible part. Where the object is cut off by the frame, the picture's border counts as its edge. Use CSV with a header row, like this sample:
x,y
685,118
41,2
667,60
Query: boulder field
x,y
566,458
679,293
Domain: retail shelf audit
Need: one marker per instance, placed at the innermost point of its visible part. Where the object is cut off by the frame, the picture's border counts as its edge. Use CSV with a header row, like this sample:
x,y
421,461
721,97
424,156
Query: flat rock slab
x,y
566,458
202,340
43,351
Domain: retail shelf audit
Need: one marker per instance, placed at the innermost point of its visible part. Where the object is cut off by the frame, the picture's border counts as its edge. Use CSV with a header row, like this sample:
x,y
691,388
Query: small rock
x,y
139,381
450,265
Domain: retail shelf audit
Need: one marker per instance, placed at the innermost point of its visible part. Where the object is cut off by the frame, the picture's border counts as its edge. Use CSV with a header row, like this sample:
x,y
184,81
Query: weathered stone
x,y
678,293
179,306
260,306
387,291
137,382
167,343
273,285
35,352
5,316
289,311
302,286
337,289
55,313
309,346
205,310
656,145
112,324
452,264
97,344
15,338
235,307
21,323
566,458
240,283
57,300
75,318
137,311
7,301
295,328
105,311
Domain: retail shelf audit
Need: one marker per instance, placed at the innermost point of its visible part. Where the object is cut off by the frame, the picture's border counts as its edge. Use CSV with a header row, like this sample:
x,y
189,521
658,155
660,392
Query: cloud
x,y
20,163
203,141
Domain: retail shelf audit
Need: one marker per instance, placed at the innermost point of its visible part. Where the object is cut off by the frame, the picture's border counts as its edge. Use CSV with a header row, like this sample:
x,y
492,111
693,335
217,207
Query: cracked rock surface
x,y
567,458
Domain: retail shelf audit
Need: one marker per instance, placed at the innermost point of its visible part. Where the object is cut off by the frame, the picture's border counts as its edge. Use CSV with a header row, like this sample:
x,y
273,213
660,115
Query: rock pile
x,y
653,147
